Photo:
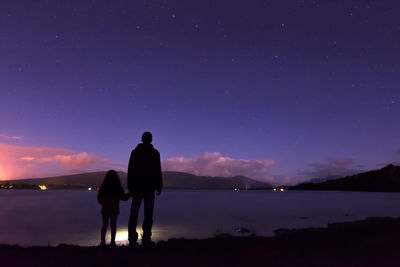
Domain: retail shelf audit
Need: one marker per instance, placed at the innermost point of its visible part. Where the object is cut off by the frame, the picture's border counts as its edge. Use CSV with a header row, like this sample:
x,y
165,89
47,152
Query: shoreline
x,y
373,241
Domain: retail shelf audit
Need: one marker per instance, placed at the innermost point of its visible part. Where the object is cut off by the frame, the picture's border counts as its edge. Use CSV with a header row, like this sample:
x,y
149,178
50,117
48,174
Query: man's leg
x,y
133,217
148,215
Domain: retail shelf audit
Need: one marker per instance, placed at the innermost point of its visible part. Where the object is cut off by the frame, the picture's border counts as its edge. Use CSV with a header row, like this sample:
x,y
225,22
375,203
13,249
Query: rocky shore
x,y
371,242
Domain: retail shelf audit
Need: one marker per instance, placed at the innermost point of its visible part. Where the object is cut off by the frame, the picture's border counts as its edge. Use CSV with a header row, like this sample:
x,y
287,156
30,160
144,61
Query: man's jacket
x,y
144,169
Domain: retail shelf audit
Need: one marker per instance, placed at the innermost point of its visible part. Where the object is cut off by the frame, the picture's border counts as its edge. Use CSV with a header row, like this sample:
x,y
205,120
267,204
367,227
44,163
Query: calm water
x,y
30,217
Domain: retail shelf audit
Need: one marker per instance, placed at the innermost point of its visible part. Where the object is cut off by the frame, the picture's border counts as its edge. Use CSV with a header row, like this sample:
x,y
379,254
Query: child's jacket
x,y
110,204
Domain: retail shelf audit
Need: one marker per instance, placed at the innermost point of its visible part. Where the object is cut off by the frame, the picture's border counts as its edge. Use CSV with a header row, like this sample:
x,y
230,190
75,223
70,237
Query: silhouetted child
x,y
110,193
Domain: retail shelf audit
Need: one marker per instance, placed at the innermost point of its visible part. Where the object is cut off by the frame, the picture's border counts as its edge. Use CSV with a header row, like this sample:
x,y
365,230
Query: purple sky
x,y
278,90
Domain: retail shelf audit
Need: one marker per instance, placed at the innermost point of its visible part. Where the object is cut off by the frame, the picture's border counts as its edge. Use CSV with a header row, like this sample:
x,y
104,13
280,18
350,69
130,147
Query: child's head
x,y
111,184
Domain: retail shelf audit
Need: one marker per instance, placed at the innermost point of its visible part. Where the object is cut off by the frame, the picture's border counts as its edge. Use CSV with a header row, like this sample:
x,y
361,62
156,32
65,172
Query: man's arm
x,y
159,183
130,173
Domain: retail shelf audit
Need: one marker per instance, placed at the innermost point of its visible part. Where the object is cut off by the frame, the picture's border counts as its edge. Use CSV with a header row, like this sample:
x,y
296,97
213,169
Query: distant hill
x,y
186,180
384,180
324,179
177,180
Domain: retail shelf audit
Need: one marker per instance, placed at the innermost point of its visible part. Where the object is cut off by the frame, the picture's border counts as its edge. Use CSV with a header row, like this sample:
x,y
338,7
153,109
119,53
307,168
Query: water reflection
x,y
34,217
121,237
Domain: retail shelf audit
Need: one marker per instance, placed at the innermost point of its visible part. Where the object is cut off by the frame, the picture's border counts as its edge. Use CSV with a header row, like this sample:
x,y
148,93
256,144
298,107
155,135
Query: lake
x,y
34,217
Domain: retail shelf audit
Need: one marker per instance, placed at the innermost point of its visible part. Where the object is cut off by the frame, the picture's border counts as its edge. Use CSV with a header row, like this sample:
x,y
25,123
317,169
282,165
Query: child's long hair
x,y
111,185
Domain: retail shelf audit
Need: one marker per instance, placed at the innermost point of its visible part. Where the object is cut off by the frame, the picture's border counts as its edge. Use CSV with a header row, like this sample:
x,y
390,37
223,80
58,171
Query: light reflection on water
x,y
34,217
121,237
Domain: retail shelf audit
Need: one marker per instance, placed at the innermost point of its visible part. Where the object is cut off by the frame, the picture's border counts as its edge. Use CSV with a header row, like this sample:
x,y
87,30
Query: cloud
x,y
342,162
216,164
334,167
75,161
10,137
29,162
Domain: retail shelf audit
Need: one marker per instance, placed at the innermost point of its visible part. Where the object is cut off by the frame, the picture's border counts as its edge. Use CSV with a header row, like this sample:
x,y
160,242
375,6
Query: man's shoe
x,y
102,245
112,244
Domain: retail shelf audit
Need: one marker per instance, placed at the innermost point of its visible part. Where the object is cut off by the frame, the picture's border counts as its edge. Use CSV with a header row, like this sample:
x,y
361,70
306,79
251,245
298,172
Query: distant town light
x,y
89,188
282,189
274,189
42,187
236,189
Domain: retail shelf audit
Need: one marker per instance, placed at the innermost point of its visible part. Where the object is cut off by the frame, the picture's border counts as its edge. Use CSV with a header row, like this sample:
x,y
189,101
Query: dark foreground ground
x,y
372,242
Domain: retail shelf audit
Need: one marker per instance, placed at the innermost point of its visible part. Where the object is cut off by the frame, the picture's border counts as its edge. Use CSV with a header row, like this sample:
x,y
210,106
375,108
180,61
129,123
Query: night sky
x,y
280,91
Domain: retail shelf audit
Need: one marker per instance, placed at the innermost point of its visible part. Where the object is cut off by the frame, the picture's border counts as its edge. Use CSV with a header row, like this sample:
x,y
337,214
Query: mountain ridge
x,y
172,180
386,179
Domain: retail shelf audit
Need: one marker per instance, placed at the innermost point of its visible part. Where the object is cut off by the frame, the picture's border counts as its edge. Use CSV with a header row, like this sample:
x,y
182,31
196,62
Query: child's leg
x,y
104,228
113,225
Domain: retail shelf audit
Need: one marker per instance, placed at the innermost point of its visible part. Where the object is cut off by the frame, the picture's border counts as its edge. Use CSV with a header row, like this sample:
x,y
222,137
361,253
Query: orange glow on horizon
x,y
20,162
2,173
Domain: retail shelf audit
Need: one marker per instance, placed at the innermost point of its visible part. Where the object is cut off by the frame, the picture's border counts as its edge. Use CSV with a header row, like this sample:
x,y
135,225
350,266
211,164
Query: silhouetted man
x,y
144,179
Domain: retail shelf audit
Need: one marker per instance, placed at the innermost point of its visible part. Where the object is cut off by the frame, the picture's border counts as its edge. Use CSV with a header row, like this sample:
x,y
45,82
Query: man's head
x,y
147,138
